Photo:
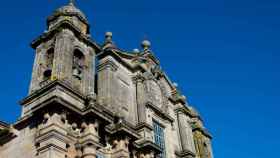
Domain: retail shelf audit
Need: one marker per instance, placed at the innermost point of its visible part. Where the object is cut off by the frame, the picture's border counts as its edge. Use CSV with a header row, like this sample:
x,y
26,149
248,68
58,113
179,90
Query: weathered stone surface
x,y
88,101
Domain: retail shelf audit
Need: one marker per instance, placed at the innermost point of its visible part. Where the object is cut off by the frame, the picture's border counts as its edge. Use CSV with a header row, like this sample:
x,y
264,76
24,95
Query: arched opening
x,y
78,64
47,74
49,57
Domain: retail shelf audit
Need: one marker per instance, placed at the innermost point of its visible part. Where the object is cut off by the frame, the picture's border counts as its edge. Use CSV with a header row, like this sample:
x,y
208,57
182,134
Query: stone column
x,y
89,151
90,139
51,138
91,77
120,147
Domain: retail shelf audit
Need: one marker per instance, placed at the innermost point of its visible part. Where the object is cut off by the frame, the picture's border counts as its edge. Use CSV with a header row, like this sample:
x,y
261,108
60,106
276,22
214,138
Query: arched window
x,y
78,64
49,57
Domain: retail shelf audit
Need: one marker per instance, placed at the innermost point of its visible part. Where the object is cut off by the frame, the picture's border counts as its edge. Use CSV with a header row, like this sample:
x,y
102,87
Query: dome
x,y
68,10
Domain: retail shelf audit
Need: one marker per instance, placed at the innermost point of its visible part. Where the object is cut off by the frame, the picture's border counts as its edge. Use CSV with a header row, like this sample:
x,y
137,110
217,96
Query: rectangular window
x,y
99,155
159,137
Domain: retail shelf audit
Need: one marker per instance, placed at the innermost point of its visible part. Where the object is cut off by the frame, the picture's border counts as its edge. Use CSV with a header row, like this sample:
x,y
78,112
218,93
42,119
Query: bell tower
x,y
64,52
64,65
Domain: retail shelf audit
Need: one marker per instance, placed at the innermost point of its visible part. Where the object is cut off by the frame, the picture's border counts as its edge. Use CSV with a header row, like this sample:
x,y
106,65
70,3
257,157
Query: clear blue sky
x,y
224,54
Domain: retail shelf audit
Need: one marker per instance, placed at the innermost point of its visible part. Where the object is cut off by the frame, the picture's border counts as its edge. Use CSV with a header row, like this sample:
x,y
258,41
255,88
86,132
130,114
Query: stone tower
x,y
122,106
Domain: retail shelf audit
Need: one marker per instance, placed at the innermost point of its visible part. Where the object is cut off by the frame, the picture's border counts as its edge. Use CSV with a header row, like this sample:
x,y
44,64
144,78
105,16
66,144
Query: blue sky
x,y
224,54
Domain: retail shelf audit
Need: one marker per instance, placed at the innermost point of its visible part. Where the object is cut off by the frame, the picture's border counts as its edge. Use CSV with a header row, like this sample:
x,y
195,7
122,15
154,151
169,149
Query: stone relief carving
x,y
155,88
154,93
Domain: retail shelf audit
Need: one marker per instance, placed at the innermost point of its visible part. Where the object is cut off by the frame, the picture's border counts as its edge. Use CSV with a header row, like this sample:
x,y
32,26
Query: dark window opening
x,y
47,74
78,64
49,58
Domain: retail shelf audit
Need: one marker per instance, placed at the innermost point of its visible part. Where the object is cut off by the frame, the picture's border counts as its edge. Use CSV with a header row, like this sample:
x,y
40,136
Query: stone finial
x,y
108,36
71,2
91,96
91,99
63,117
146,45
136,50
74,126
46,116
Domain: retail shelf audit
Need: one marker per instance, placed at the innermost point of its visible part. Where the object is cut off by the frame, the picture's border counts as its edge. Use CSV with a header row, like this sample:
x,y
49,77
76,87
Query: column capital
x,y
138,78
108,64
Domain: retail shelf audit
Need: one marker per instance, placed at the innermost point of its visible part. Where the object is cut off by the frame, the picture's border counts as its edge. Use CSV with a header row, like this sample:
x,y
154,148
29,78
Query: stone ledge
x,y
185,154
159,112
64,24
147,145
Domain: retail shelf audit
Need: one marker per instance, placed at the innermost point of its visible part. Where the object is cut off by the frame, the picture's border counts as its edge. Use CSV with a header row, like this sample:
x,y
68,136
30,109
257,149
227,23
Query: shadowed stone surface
x,y
89,100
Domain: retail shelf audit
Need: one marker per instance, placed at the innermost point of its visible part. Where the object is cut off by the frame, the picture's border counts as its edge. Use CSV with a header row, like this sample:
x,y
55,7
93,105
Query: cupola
x,y
71,14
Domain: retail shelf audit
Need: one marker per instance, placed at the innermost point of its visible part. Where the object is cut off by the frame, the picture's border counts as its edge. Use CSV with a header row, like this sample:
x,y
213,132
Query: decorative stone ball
x,y
46,116
84,125
91,96
108,34
74,126
136,50
146,44
63,116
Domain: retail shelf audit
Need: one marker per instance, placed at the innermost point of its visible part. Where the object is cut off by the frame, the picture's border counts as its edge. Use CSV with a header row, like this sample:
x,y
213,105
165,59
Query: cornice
x,y
100,112
185,154
51,86
203,131
147,145
124,129
108,64
187,111
160,112
62,25
142,125
117,57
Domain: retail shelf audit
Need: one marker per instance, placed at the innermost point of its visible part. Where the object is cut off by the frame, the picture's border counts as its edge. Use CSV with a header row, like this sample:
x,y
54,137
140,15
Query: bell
x,y
76,72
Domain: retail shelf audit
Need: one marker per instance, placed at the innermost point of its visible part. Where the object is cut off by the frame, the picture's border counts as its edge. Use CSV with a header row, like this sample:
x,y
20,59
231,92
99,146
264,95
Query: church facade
x,y
90,100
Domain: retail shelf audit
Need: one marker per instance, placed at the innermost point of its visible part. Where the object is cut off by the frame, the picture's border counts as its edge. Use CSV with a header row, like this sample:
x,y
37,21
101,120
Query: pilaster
x,y
120,147
89,139
52,140
62,59
106,70
185,134
140,97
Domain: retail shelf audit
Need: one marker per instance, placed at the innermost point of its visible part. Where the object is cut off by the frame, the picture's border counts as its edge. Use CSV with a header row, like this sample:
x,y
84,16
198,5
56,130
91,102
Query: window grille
x,y
159,137
99,155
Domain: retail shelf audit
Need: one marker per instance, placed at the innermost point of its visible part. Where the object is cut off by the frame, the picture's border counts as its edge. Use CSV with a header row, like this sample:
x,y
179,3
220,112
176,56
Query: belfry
x,y
95,100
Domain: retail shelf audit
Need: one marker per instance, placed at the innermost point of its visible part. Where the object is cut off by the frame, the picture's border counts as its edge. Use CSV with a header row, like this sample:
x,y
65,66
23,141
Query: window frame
x,y
100,155
159,137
